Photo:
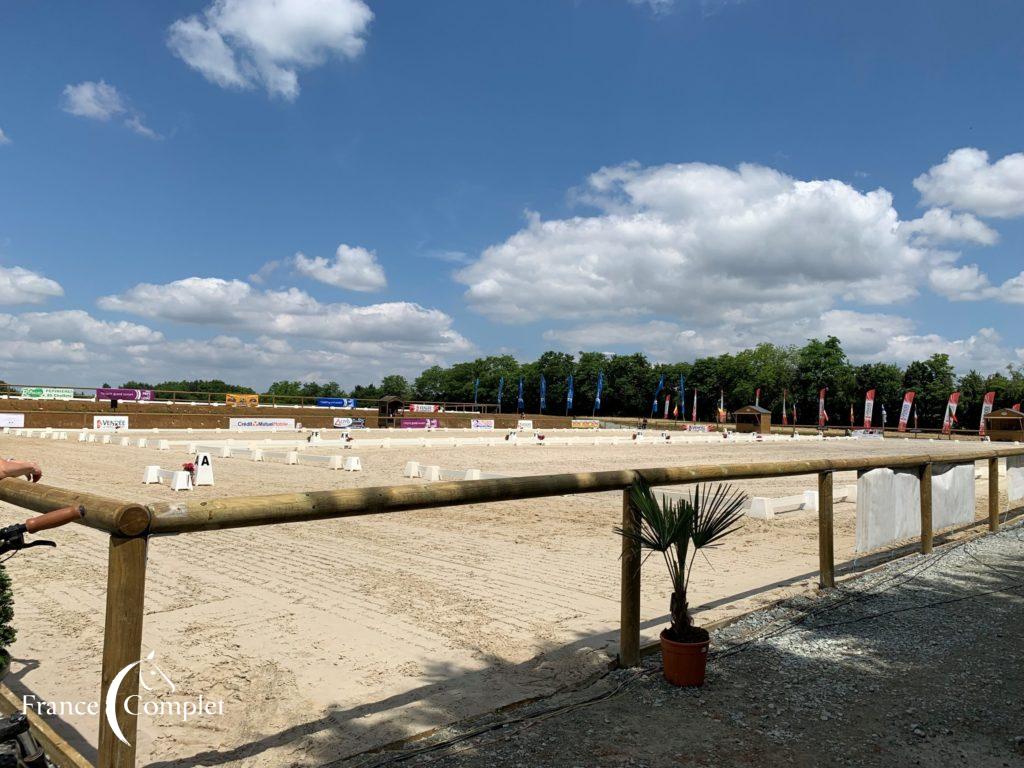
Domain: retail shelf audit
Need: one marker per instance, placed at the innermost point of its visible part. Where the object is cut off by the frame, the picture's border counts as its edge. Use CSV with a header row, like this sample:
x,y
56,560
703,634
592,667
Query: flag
x,y
693,416
852,417
950,418
884,417
476,390
869,408
568,397
597,397
519,401
795,422
1016,406
908,401
501,388
986,409
668,398
822,414
757,396
661,386
721,406
682,396
916,425
785,418
543,393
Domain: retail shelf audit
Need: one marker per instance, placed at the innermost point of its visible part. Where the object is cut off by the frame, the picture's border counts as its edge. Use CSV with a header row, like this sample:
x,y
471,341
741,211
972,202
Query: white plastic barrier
x,y
952,495
1015,478
412,469
888,508
431,473
142,442
352,464
288,457
176,479
163,445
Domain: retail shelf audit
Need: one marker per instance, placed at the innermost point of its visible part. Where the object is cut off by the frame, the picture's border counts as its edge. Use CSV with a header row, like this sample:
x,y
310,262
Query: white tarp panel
x,y
952,495
1015,477
888,508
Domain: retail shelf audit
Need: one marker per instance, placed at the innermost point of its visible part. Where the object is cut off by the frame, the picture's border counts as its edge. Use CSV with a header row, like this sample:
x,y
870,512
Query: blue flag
x,y
520,403
476,389
681,400
597,397
568,397
661,386
543,393
501,388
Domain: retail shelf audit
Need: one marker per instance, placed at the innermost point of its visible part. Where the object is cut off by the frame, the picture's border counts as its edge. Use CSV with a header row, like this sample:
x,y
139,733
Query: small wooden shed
x,y
753,418
388,409
1005,424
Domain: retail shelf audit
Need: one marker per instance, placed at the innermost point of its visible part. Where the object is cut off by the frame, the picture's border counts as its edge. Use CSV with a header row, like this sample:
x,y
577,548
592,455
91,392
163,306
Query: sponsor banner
x,y
336,402
246,400
697,428
120,393
822,414
419,423
481,424
423,408
869,408
586,424
524,425
344,422
12,420
950,418
48,393
109,423
986,409
908,400
867,434
245,424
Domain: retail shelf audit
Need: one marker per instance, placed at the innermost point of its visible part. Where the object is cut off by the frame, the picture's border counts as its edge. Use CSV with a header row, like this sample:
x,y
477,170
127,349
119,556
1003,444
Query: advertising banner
x,y
908,400
246,400
120,393
419,423
986,409
697,428
586,424
869,408
524,425
950,418
344,422
423,408
867,434
248,425
48,393
822,413
12,420
336,402
481,424
110,423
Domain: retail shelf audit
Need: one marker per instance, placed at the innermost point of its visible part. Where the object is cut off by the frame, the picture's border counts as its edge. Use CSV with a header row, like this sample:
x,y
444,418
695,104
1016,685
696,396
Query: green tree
x,y
7,632
933,380
824,364
887,381
396,386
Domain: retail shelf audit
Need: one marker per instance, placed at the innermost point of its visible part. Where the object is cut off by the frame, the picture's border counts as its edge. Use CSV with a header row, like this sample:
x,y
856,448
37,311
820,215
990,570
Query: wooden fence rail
x,y
131,524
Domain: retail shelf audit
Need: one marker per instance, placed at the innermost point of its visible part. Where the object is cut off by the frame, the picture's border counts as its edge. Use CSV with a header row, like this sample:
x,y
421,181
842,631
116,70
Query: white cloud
x,y
102,101
291,313
969,283
940,225
4,139
22,286
353,268
245,43
75,325
967,181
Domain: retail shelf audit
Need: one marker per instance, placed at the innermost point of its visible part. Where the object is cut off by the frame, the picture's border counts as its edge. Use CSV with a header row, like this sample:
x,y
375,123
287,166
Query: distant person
x,y
12,468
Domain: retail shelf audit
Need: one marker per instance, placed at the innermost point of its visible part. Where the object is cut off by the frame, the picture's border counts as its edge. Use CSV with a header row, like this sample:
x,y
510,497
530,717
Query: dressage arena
x,y
329,638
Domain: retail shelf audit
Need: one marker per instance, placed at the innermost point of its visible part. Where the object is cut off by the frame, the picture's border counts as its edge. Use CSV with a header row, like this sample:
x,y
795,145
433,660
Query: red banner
x,y
785,418
908,400
693,416
822,415
986,409
950,418
869,408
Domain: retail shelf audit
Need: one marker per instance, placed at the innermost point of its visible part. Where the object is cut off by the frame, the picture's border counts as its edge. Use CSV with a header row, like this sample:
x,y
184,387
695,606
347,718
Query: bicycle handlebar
x,y
54,519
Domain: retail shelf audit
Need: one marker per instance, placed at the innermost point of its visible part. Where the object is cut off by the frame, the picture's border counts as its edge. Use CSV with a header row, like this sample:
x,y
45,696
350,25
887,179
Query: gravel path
x,y
916,663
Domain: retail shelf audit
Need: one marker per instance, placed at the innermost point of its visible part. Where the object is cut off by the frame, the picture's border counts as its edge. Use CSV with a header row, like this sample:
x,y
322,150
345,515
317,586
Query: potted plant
x,y
679,529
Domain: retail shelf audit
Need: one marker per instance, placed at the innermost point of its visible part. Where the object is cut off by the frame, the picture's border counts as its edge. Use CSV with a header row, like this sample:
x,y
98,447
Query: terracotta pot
x,y
684,663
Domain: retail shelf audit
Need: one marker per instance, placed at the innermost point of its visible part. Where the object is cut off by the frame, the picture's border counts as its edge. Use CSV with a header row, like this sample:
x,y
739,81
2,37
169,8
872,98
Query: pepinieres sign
x,y
48,393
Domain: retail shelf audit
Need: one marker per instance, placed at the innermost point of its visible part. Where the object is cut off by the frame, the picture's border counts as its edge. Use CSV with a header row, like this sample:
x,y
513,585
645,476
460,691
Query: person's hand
x,y
35,473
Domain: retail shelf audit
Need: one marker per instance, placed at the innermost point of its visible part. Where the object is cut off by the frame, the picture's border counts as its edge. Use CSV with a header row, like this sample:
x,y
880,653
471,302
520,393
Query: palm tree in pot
x,y
678,529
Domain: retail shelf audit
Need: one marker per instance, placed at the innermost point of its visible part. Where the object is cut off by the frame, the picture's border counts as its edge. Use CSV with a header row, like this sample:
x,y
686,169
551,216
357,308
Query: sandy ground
x,y
325,639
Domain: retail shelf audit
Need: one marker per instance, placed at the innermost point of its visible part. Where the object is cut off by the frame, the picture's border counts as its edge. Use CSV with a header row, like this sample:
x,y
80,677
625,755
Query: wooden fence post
x,y
925,475
993,493
826,555
122,645
629,626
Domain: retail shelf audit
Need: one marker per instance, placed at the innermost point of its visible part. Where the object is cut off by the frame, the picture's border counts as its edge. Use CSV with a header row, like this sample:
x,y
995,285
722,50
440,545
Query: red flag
x,y
986,409
693,416
785,419
852,417
795,422
757,396
822,415
869,408
950,418
1016,406
908,400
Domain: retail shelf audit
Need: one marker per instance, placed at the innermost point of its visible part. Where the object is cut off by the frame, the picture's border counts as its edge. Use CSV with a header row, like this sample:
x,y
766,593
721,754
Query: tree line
x,y
629,383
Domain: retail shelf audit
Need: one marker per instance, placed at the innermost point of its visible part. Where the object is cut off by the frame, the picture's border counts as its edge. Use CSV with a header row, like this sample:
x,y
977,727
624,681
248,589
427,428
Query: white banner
x,y
869,408
48,393
524,425
12,420
109,423
697,428
245,425
423,408
481,424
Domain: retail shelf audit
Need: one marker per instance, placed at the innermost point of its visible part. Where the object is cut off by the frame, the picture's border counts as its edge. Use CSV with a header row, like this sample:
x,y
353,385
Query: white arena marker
x,y
412,469
178,480
761,508
163,445
81,437
204,469
811,500
90,438
256,454
125,442
431,473
335,462
151,474
105,439
353,464
472,474
142,443
292,457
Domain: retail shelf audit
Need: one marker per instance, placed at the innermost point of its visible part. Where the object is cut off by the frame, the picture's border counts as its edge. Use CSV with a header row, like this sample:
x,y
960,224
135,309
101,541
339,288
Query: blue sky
x,y
334,189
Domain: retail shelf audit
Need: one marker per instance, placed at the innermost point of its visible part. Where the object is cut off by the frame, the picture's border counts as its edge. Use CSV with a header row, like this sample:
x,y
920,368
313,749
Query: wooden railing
x,y
130,525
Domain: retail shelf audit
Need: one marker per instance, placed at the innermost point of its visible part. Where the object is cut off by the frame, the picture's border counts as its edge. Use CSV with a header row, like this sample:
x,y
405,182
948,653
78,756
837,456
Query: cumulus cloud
x,y
4,138
939,225
246,43
352,267
75,326
970,283
102,101
290,313
23,286
967,181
